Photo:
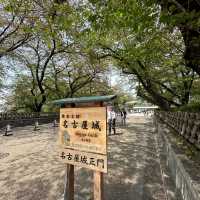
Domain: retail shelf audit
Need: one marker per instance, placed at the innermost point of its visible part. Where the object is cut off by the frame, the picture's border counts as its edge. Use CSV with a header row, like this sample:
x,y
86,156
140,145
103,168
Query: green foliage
x,y
131,34
65,48
21,100
184,15
51,73
187,148
15,20
122,98
191,107
53,61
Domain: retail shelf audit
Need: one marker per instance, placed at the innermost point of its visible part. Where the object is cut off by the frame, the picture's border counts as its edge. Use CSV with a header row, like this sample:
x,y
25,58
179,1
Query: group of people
x,y
111,116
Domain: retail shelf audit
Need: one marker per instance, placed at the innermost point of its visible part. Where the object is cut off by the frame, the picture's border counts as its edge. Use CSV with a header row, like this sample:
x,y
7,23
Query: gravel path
x,y
30,167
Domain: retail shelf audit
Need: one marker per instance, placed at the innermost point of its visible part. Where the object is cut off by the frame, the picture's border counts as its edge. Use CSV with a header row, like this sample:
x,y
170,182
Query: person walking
x,y
109,120
113,116
124,117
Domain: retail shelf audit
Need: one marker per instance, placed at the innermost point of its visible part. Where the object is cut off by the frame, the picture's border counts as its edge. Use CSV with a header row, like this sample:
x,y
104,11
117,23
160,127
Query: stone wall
x,y
185,124
24,119
186,184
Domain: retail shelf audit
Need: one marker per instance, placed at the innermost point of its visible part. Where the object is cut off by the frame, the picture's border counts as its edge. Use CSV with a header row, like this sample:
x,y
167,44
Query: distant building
x,y
138,107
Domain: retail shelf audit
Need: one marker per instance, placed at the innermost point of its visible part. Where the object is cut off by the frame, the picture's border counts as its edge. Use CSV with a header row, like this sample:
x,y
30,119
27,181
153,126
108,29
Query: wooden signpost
x,y
83,139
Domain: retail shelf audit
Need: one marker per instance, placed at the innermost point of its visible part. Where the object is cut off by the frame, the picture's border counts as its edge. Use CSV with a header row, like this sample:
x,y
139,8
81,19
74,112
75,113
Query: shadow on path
x,y
32,170
133,166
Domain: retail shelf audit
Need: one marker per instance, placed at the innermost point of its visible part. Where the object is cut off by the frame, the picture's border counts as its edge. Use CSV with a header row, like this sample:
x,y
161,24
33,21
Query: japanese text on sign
x,y
83,129
89,160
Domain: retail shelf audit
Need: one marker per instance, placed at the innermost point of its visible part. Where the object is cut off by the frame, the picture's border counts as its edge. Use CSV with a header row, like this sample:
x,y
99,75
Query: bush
x,y
192,107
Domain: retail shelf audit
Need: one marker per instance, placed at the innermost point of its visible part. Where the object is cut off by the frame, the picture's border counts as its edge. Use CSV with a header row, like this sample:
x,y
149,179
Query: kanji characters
x,y
84,159
69,156
76,158
63,155
92,161
96,125
65,124
77,116
74,123
84,125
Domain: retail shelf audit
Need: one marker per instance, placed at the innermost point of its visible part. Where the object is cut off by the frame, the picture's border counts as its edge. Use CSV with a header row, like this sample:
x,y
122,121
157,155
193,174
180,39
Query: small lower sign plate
x,y
94,161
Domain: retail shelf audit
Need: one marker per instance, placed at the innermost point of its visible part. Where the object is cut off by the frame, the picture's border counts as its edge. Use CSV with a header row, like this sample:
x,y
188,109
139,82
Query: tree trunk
x,y
189,28
154,99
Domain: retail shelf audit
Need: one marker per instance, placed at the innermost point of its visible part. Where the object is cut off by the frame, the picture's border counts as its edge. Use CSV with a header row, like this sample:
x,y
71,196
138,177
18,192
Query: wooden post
x,y
81,103
69,183
98,186
98,179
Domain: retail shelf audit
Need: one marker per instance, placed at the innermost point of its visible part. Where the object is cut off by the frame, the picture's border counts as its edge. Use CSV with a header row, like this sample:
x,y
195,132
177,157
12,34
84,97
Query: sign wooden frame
x,y
84,129
97,174
85,102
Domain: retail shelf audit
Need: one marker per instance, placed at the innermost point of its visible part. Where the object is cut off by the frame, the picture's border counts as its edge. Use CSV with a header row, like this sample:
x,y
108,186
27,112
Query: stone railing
x,y
184,171
186,124
23,119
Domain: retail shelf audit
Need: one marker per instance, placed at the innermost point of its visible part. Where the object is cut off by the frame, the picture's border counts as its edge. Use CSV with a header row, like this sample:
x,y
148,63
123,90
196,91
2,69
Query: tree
x,y
14,23
52,59
141,46
36,57
15,20
185,15
53,72
83,84
47,41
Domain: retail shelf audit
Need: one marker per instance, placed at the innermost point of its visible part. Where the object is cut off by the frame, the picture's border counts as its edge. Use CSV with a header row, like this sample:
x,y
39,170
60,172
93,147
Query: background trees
x,y
51,63
132,33
53,72
185,15
64,49
15,20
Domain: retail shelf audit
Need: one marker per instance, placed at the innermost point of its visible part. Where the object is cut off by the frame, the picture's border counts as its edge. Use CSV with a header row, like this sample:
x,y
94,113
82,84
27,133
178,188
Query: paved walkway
x,y
134,164
30,168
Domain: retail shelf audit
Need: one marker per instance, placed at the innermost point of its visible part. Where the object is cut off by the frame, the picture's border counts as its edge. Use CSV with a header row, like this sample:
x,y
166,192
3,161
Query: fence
x,y
185,124
23,119
185,184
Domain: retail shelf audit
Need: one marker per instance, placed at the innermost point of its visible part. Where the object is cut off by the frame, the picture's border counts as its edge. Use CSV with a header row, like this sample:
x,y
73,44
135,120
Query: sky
x,y
116,78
